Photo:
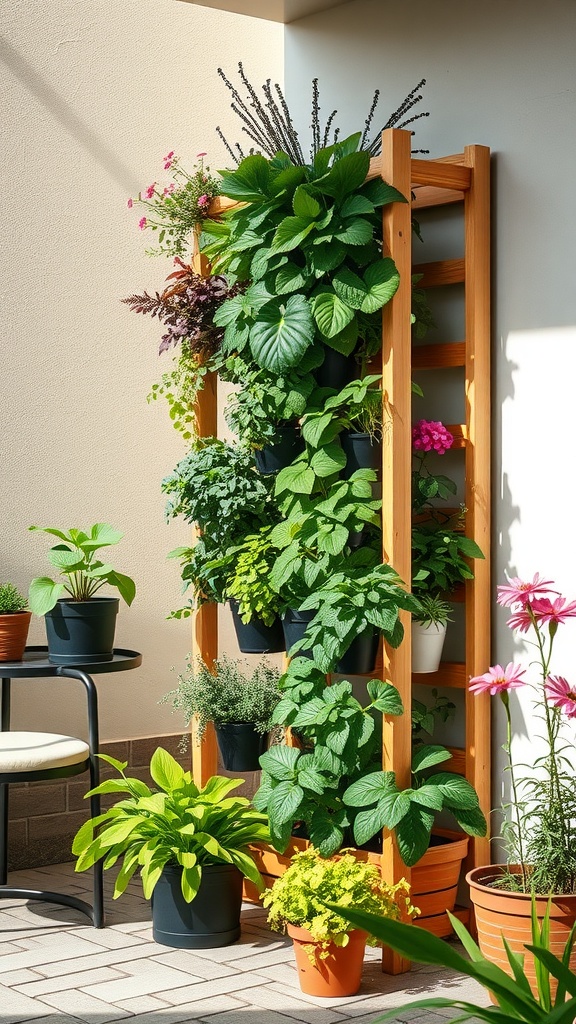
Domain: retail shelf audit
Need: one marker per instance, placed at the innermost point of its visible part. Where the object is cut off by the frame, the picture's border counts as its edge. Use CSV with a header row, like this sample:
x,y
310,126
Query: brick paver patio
x,y
56,969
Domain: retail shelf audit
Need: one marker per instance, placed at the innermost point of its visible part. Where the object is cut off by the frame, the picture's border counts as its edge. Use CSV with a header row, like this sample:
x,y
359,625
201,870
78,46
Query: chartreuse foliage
x,y
300,897
515,1001
177,824
307,243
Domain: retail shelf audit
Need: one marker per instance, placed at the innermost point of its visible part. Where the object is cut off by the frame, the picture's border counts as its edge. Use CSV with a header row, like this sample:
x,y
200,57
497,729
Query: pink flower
x,y
557,611
560,695
200,155
498,679
142,223
203,200
150,190
169,189
521,619
169,155
168,160
431,435
130,204
518,590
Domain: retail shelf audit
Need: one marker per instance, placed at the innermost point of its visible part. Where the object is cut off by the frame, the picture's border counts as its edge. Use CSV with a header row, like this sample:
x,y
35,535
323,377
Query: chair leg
x,y
3,834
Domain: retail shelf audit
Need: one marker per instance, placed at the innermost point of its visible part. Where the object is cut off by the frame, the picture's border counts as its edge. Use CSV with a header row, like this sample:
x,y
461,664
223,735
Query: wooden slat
x,y
450,673
427,196
440,272
477,498
440,356
440,174
396,475
457,762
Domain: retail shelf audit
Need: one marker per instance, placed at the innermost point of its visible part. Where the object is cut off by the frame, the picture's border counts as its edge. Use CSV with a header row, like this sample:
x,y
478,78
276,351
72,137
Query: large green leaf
x,y
328,460
354,231
250,182
345,176
289,279
457,791
290,233
429,755
385,697
280,762
285,801
349,287
43,594
282,333
413,833
165,770
331,313
380,193
370,788
382,280
304,204
298,478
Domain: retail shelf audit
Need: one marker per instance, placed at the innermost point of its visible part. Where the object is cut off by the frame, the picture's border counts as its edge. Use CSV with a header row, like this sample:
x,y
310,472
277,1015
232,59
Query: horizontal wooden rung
x,y
426,196
440,272
457,762
438,357
450,673
439,174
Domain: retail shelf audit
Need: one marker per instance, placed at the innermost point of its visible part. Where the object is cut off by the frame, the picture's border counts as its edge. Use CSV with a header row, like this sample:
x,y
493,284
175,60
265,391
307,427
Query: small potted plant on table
x,y
239,704
14,623
189,845
329,954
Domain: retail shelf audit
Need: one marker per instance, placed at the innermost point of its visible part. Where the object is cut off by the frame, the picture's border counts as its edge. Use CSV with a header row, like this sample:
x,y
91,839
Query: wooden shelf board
x,y
440,356
450,673
440,272
427,196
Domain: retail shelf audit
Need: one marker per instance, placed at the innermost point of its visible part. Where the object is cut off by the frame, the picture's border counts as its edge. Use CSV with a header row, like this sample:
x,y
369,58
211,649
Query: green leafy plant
x,y
84,575
177,823
300,897
514,998
439,559
306,242
226,693
358,406
248,581
11,600
432,611
264,400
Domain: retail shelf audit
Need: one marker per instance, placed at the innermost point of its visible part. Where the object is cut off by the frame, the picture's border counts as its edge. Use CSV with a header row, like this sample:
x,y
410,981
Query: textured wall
x,y
93,94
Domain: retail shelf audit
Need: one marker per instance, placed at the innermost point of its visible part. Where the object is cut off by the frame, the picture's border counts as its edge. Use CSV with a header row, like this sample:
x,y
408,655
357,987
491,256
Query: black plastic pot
x,y
361,655
81,632
362,451
212,919
336,371
273,457
294,623
255,637
240,746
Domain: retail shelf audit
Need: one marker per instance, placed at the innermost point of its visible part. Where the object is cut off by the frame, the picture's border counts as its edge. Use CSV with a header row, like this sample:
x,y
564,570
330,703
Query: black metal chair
x,y
34,756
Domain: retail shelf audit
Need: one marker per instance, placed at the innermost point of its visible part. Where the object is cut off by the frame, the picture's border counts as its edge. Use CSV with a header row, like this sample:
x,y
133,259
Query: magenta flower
x,y
560,694
498,679
150,190
203,201
200,155
557,611
521,591
142,223
130,204
521,619
169,189
168,160
431,435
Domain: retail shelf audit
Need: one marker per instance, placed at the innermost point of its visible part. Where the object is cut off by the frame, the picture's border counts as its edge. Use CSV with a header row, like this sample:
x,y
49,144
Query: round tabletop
x,y
35,663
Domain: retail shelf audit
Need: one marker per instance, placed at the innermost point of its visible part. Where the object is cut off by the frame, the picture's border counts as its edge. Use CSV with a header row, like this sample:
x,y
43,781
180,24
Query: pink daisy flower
x,y
520,590
561,695
498,679
431,435
142,223
521,619
557,611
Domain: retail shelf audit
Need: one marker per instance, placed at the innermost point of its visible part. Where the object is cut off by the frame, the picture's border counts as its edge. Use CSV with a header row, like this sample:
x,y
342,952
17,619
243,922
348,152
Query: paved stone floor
x,y
56,969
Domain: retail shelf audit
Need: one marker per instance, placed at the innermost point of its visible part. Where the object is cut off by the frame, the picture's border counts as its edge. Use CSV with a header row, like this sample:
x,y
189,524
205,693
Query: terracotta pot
x,y
14,628
339,974
501,913
427,644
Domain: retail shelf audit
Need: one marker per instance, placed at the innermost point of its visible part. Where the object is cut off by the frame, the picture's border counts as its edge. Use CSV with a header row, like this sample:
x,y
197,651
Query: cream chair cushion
x,y
34,751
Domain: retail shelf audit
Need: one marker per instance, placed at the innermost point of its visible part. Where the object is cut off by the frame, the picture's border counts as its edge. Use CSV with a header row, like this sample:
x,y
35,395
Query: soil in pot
x,y
273,457
14,628
240,746
255,637
212,919
81,632
499,912
337,975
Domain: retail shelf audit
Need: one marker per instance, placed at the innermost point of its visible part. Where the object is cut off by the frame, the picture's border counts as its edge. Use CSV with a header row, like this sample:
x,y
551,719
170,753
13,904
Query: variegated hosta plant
x,y
177,823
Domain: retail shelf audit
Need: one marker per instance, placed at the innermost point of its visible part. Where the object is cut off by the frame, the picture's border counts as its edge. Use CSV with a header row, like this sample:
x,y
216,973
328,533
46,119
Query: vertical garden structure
x,y
462,179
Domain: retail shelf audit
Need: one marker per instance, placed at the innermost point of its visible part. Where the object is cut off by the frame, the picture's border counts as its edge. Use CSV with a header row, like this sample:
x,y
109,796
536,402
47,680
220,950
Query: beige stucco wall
x,y
93,94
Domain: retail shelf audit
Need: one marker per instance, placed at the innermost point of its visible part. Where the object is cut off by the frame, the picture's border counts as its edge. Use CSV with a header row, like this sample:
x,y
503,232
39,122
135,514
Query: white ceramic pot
x,y
427,644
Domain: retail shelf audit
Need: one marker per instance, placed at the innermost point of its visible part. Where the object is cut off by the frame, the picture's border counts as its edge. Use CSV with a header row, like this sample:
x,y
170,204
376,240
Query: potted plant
x,y
329,954
80,627
553,996
428,632
539,820
14,622
188,843
239,703
354,414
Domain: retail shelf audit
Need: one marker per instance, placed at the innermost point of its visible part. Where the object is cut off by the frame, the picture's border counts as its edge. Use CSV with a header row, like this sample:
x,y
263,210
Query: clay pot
x,y
339,974
499,913
14,628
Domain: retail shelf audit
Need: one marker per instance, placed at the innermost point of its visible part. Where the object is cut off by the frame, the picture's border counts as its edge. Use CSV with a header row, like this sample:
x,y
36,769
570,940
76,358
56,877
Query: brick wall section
x,y
45,816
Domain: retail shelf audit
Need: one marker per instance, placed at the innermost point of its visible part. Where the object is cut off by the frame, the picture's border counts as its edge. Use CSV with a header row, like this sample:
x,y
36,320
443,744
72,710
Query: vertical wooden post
x,y
205,619
396,475
477,498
